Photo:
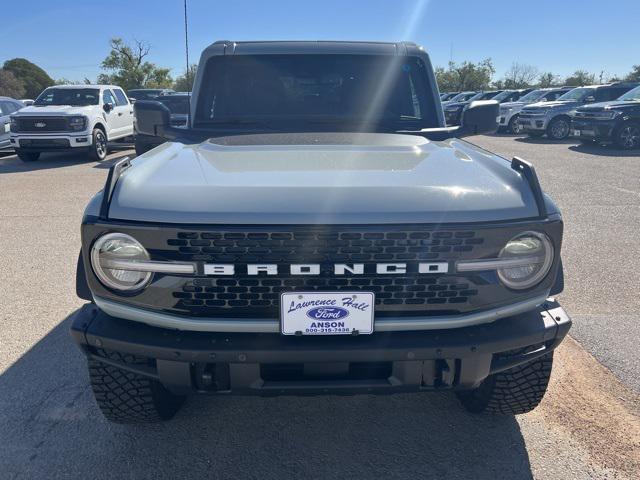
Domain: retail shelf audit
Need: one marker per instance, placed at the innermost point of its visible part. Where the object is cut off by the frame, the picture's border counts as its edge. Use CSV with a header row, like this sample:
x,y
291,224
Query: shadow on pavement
x,y
545,140
50,427
604,150
47,161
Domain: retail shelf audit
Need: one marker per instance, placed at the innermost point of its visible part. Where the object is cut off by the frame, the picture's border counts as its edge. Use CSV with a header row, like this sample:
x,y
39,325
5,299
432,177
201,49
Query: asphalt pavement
x,y
587,427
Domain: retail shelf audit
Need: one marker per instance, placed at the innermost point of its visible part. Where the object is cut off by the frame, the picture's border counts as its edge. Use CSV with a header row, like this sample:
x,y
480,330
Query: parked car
x,y
285,247
178,105
74,118
8,106
615,122
460,97
510,111
553,118
148,93
453,110
447,96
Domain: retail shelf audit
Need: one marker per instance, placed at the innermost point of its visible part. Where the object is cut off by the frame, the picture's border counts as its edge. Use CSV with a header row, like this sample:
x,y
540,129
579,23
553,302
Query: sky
x,y
69,38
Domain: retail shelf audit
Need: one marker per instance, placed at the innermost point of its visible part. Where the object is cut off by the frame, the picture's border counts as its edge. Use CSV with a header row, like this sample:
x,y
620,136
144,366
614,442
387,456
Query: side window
x,y
619,91
7,107
120,97
604,94
552,96
107,97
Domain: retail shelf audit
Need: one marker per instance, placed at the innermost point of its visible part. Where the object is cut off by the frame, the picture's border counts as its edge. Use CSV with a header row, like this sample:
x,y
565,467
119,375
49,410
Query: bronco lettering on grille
x,y
316,268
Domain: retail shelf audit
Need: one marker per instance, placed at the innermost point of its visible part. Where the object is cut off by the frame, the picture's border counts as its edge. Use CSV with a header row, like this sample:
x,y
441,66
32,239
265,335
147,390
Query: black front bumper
x,y
591,129
271,364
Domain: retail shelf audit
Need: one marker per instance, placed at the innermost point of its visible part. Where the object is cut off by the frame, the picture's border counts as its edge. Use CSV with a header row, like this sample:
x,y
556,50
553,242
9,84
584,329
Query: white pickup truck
x,y
72,117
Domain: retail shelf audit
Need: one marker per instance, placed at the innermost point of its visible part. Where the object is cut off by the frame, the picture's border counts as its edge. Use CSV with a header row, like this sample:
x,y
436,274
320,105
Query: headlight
x,y
525,260
114,257
77,123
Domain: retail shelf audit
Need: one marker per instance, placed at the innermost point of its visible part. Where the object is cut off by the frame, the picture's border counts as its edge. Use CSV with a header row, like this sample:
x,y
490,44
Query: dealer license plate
x,y
326,313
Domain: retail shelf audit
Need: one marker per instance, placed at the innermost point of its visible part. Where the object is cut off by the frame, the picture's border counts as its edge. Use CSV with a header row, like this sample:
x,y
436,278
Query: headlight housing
x,y
113,259
526,259
77,123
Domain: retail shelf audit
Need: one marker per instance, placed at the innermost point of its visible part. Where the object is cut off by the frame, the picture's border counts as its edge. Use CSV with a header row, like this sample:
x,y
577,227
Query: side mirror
x,y
132,100
154,118
480,117
590,99
108,107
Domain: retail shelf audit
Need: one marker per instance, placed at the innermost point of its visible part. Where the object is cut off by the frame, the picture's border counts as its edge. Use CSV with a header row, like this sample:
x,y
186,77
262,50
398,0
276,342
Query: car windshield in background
x,y
577,94
331,89
502,95
176,103
631,95
75,97
144,94
533,96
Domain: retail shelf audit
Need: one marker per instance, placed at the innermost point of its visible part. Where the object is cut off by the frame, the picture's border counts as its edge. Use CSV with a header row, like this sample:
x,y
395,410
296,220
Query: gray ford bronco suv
x,y
317,229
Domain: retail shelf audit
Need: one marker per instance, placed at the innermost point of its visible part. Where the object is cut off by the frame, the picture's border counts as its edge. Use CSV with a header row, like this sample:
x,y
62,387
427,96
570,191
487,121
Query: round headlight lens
x,y
532,255
112,248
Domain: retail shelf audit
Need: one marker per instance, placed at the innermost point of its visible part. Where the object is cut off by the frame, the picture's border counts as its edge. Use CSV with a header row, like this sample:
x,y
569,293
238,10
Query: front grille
x,y
260,295
42,124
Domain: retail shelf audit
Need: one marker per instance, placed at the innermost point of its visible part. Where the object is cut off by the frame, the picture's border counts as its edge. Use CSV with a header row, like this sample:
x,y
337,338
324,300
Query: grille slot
x,y
51,124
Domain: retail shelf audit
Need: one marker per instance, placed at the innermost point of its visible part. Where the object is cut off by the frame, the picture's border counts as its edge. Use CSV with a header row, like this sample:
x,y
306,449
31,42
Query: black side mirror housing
x,y
108,107
480,117
154,118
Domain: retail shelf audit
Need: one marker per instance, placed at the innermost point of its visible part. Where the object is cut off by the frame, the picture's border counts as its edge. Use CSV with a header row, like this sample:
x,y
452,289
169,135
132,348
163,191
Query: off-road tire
x,y
554,132
513,125
99,147
627,136
126,397
514,391
28,156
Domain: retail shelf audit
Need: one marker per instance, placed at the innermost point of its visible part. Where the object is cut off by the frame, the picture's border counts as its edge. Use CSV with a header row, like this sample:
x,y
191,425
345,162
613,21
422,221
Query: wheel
x,y
141,147
126,397
514,126
514,391
558,128
28,156
628,136
98,151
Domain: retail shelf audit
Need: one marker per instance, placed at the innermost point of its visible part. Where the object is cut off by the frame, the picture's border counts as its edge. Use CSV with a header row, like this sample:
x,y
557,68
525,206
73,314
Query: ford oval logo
x,y
40,124
327,313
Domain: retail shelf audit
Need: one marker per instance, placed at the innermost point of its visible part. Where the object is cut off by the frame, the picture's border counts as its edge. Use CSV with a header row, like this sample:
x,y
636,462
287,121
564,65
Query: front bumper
x,y
51,142
592,129
272,364
533,123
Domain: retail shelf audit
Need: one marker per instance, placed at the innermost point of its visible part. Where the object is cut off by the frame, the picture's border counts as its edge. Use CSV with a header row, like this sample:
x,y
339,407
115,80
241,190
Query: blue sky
x,y
69,38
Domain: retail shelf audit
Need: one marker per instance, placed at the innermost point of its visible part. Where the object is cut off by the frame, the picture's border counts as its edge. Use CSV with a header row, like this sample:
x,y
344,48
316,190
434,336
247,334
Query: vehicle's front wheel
x,y
98,151
28,156
126,397
514,391
514,126
558,128
628,136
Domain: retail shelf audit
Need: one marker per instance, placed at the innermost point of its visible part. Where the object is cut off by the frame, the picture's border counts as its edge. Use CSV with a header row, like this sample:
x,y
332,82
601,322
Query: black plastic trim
x,y
529,172
112,179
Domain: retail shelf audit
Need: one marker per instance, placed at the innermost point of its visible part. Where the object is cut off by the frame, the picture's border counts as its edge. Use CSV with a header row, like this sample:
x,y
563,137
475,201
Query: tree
x,y
520,75
548,79
34,79
129,69
634,74
10,86
465,76
580,78
184,83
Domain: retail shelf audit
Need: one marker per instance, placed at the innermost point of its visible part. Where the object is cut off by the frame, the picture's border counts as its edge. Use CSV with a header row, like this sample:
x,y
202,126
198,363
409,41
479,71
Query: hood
x,y
614,104
323,178
556,104
55,110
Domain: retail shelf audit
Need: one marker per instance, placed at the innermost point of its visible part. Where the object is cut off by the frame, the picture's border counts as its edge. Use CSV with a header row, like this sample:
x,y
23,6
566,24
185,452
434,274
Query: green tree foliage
x,y
465,76
520,75
33,78
549,79
634,74
184,83
128,67
10,86
580,78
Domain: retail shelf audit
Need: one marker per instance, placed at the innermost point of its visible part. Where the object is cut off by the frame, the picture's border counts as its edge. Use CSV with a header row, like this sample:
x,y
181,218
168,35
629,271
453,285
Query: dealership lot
x,y
586,427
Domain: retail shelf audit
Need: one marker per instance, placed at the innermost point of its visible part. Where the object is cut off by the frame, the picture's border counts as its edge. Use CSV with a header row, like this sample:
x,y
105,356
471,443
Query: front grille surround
x,y
258,297
52,124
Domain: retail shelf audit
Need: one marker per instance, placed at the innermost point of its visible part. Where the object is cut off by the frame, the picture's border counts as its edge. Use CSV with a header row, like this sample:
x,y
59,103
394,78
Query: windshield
x,y
144,94
577,94
631,95
502,95
330,89
176,103
533,96
75,97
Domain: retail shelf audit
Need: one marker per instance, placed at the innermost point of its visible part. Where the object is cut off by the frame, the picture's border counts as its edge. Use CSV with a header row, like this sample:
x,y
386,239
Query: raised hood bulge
x,y
323,178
